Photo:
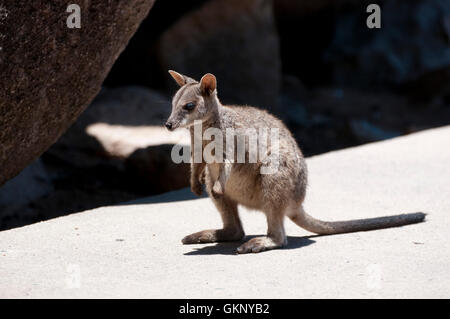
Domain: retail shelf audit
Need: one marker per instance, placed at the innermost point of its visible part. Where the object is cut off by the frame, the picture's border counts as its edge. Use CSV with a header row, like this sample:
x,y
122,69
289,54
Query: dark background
x,y
314,64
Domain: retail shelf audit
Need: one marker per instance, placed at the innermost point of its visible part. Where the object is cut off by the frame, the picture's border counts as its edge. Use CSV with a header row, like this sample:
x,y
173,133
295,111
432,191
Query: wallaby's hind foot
x,y
259,244
213,236
276,236
232,230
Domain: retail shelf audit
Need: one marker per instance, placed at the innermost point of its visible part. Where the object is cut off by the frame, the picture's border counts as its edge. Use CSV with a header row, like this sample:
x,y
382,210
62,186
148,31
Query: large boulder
x,y
234,39
49,73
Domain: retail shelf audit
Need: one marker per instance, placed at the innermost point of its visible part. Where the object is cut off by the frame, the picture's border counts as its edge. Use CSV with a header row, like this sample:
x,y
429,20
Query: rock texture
x,y
237,41
413,41
50,73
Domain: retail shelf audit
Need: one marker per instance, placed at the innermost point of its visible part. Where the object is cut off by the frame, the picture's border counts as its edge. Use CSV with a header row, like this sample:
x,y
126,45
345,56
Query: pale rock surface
x,y
134,249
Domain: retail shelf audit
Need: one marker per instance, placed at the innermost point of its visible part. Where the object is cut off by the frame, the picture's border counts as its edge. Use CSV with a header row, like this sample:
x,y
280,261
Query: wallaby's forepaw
x,y
212,236
259,244
197,188
202,177
217,189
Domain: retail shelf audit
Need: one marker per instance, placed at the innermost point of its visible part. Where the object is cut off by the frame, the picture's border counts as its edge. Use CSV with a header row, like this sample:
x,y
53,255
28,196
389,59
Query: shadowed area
x,y
229,248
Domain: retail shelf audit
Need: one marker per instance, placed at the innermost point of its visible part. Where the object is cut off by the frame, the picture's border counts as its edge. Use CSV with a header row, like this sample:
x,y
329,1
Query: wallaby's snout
x,y
168,125
175,120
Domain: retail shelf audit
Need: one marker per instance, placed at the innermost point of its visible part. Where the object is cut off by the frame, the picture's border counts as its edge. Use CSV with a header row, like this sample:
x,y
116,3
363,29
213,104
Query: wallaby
x,y
228,184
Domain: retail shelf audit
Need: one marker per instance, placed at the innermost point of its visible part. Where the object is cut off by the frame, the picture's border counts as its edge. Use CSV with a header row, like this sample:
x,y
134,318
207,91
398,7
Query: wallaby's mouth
x,y
173,125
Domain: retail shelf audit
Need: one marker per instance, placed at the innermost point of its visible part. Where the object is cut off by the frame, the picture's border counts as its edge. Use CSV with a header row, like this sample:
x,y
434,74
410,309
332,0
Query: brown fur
x,y
277,195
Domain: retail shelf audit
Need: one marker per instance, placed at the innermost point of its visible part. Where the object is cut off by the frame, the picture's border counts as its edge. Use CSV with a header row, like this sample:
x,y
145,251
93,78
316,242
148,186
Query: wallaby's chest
x,y
213,171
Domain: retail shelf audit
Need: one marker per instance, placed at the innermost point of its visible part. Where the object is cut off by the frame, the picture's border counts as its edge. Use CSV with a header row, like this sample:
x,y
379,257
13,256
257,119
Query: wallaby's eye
x,y
189,107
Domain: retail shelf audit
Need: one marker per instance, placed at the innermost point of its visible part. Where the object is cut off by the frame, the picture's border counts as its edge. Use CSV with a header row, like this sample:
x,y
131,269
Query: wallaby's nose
x,y
169,126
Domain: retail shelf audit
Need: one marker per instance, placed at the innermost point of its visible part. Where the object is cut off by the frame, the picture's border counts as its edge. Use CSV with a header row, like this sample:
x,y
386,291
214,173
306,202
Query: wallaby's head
x,y
193,101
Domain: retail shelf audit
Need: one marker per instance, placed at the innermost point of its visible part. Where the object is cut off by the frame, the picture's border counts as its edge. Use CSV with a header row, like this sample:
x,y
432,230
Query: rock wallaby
x,y
230,183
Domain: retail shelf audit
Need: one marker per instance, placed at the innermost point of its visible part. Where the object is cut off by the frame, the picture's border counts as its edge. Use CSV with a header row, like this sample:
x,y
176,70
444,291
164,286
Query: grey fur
x,y
277,195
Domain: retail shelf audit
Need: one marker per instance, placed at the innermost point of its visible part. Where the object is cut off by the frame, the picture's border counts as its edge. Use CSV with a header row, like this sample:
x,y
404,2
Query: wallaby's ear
x,y
208,84
180,78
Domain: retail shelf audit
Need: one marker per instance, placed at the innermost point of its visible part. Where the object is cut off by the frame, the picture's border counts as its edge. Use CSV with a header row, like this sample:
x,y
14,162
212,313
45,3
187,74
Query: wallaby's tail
x,y
327,228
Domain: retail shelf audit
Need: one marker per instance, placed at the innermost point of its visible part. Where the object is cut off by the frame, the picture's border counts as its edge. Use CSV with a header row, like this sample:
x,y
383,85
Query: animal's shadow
x,y
229,248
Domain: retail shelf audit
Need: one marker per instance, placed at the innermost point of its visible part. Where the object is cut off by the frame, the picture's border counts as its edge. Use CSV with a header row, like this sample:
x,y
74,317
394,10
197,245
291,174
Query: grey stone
x,y
50,73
